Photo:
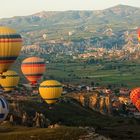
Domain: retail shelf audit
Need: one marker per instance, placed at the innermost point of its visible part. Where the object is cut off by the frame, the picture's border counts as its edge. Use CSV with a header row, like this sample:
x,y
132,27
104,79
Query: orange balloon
x,y
135,95
33,68
138,104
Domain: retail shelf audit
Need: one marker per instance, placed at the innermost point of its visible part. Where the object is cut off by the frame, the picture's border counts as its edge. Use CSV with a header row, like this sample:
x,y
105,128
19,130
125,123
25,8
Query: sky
x,y
10,8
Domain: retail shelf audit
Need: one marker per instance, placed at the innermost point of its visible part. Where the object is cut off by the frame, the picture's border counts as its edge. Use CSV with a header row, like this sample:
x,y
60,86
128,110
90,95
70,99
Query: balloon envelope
x,y
9,80
44,36
10,46
139,34
50,91
138,104
135,95
33,69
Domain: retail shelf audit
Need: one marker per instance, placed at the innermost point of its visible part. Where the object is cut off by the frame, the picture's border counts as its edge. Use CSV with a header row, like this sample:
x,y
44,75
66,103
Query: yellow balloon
x,y
9,80
10,46
50,91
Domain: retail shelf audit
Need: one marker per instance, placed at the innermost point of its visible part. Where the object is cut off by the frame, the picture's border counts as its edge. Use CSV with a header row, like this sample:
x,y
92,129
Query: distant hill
x,y
120,14
77,25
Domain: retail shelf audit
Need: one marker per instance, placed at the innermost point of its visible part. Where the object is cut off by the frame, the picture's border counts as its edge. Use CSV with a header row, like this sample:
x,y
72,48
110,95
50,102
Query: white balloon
x,y
4,109
44,36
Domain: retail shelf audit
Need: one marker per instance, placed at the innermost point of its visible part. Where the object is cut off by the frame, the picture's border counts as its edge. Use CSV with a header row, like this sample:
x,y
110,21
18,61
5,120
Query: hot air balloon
x,y
50,91
9,80
139,34
135,95
44,36
138,104
4,109
10,46
33,69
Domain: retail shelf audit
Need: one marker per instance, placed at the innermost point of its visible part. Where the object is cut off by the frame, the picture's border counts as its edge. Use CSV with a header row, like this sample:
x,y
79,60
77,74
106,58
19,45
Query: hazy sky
x,y
9,8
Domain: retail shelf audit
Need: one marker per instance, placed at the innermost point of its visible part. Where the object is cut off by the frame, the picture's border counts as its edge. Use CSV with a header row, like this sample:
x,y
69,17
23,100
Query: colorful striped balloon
x,y
33,69
10,46
9,80
50,91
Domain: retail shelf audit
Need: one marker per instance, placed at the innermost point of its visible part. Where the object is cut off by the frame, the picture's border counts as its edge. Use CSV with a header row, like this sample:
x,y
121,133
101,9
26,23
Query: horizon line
x,y
68,10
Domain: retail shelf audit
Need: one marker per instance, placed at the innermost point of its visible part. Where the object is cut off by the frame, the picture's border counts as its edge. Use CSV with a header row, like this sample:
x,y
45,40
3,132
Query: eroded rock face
x,y
38,120
94,101
108,104
82,100
101,104
19,115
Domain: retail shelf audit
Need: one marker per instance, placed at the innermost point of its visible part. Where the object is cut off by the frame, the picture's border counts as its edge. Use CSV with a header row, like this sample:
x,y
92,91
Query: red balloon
x,y
138,34
135,95
138,104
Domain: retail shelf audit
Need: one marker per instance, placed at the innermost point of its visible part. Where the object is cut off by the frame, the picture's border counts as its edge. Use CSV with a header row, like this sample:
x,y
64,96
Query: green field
x,y
102,72
118,73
